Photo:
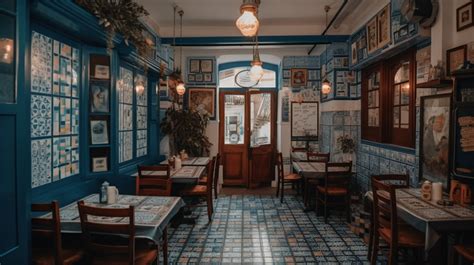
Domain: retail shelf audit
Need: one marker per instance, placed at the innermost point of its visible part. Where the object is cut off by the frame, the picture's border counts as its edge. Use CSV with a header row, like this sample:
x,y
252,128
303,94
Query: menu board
x,y
304,120
463,165
466,131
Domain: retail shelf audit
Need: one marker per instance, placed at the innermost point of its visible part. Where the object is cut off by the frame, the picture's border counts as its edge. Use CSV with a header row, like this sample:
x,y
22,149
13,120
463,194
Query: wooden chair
x,y
203,180
153,184
295,150
47,247
385,219
204,190
292,178
318,157
311,183
337,180
465,251
112,243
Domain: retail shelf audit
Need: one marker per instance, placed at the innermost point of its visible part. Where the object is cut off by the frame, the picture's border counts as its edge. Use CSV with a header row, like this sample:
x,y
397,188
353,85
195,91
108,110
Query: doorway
x,y
247,137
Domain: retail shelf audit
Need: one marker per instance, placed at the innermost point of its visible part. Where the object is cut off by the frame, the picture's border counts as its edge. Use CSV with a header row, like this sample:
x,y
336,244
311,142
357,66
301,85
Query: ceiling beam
x,y
262,40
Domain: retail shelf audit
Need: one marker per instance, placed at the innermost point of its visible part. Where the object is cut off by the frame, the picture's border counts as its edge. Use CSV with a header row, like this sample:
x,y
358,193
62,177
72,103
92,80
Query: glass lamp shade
x,y
248,23
6,50
256,72
180,88
139,88
326,87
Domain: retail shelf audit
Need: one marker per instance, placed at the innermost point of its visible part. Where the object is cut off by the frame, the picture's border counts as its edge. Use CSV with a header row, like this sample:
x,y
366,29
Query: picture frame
x,y
372,35
208,77
434,138
163,89
207,66
199,78
99,132
99,96
354,52
99,164
102,71
191,78
194,66
464,17
384,27
455,58
203,100
299,77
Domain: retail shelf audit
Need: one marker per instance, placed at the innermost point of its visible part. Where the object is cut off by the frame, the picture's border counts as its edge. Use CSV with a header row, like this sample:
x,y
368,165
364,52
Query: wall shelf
x,y
436,83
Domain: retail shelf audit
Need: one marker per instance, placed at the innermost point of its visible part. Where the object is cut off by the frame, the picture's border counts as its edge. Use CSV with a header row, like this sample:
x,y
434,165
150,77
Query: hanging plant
x,y
120,16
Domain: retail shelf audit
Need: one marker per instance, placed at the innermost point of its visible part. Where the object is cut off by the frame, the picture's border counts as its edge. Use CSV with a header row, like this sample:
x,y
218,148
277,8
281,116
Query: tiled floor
x,y
259,229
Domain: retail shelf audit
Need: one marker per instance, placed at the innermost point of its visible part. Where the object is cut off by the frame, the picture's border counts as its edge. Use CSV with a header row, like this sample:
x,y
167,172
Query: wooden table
x,y
192,161
185,175
431,218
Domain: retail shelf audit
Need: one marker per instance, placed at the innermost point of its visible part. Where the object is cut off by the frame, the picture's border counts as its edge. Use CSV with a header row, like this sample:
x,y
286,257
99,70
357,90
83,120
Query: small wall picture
x,y
163,88
207,77
384,32
99,164
99,133
194,66
372,35
203,100
286,73
99,96
102,72
354,52
199,78
464,16
455,58
299,77
191,77
206,66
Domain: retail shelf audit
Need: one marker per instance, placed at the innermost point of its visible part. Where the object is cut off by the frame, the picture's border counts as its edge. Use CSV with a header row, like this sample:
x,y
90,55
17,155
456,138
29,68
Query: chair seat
x,y
333,191
466,252
45,256
196,190
202,181
142,257
407,236
292,177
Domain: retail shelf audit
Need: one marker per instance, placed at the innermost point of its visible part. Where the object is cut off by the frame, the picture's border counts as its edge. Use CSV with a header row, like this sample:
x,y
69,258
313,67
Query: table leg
x,y
165,246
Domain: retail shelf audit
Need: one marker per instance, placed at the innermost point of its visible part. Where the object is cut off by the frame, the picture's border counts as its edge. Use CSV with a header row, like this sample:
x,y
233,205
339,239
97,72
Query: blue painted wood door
x,y
14,134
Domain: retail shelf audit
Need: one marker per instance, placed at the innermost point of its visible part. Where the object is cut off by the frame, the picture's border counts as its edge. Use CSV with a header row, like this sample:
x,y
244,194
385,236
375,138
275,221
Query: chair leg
x,y
282,191
165,245
348,208
278,187
375,250
325,208
209,207
371,239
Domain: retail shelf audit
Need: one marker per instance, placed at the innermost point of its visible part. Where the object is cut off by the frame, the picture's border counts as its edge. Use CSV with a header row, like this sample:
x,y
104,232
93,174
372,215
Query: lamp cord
x,y
181,13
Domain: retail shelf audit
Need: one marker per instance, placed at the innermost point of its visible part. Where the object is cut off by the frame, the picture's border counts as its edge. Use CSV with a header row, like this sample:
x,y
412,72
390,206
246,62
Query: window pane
x,y
374,81
234,112
7,56
405,93
396,117
396,95
8,5
373,99
403,73
405,114
260,119
373,120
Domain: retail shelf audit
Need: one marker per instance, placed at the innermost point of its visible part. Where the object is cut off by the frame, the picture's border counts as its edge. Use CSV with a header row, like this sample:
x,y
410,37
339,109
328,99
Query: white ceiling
x,y
217,17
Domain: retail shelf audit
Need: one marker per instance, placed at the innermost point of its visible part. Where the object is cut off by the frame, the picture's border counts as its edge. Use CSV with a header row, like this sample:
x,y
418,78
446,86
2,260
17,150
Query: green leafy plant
x,y
120,16
346,144
187,130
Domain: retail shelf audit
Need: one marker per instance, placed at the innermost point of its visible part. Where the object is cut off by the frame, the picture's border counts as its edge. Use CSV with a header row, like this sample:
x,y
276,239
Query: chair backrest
x,y
279,160
217,169
298,153
318,157
155,184
210,174
95,229
338,174
385,201
47,230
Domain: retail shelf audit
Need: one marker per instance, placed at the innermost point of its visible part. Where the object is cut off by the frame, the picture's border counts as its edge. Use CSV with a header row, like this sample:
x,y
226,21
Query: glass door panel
x,y
260,119
234,115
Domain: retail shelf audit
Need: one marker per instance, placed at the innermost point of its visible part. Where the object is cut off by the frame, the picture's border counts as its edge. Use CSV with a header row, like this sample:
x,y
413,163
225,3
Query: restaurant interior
x,y
236,132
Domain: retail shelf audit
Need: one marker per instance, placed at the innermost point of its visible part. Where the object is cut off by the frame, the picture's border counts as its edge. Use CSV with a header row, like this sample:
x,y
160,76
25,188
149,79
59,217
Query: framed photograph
x,y
99,132
102,72
384,31
403,31
199,78
99,164
299,77
464,16
99,96
354,52
372,35
455,58
207,77
435,136
286,73
163,88
194,66
203,100
191,77
206,66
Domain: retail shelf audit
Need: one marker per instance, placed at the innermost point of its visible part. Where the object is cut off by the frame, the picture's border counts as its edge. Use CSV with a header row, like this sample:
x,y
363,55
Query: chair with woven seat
x,y
465,251
47,245
335,191
113,244
153,181
203,180
385,219
204,191
292,178
310,183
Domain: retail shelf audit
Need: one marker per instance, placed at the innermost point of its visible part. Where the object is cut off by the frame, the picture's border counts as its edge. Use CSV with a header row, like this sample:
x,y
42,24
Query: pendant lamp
x,y
248,23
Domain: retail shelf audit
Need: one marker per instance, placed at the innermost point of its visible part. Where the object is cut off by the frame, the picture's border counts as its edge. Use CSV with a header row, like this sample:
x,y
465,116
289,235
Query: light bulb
x,y
248,23
326,87
140,88
256,72
180,88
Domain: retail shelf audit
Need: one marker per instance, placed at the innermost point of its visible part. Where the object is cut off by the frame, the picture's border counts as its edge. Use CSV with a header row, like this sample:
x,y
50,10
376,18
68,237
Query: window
x,y
388,100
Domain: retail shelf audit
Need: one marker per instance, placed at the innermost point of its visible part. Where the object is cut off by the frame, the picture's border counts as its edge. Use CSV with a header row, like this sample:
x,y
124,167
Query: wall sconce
x,y
326,86
6,50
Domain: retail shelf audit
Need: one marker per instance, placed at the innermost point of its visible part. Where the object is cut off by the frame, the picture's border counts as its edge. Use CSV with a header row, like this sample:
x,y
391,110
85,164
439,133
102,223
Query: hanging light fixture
x,y
256,71
181,88
326,85
6,50
248,23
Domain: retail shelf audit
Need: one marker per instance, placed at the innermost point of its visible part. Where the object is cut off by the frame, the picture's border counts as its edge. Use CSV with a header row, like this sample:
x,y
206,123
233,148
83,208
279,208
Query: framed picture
x,y
384,31
286,73
199,78
299,77
203,101
354,52
191,77
99,96
372,35
206,66
99,132
102,72
455,58
464,16
163,88
207,77
99,164
194,66
403,31
435,136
